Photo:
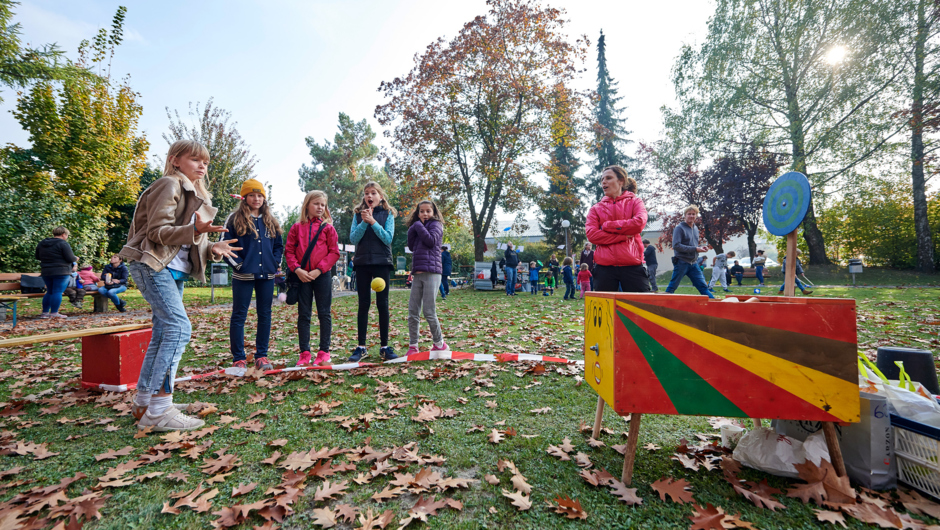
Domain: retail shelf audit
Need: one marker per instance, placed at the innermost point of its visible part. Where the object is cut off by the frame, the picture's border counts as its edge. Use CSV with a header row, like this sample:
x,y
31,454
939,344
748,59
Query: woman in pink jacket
x,y
614,226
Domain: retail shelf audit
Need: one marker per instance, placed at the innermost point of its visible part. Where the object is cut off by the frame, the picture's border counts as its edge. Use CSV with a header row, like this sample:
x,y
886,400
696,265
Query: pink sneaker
x,y
411,350
239,364
304,359
323,358
444,347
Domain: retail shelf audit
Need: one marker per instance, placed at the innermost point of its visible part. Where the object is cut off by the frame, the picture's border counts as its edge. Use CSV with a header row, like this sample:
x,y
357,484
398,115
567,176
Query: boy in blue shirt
x,y
568,276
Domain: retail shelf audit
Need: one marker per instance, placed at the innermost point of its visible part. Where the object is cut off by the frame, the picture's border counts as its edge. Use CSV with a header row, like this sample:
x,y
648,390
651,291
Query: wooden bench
x,y
10,281
752,273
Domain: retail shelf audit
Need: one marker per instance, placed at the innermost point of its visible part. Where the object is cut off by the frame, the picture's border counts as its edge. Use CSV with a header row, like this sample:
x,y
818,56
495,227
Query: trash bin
x,y
219,274
917,363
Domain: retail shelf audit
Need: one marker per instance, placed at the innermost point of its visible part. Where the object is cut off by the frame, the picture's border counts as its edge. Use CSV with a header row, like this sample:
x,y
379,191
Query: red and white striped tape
x,y
421,356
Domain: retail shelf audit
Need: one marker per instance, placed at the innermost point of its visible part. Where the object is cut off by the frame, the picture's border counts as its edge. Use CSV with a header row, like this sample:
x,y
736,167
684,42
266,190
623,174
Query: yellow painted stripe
x,y
811,385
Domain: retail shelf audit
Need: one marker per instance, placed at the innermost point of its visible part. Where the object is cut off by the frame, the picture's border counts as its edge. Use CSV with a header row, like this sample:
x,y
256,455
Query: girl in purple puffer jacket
x,y
425,235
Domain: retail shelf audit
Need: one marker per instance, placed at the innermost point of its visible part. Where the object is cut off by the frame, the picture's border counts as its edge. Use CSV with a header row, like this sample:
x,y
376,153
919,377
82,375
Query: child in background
x,y
549,280
88,278
533,277
313,230
568,277
425,233
115,276
259,236
74,290
172,221
372,230
584,279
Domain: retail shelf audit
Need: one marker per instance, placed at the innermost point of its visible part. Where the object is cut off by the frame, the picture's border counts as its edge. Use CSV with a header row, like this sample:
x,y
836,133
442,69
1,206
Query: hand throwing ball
x,y
378,284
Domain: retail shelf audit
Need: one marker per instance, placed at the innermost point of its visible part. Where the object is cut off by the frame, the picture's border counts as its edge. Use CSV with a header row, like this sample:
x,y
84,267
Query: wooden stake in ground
x,y
789,281
598,417
629,455
74,334
835,450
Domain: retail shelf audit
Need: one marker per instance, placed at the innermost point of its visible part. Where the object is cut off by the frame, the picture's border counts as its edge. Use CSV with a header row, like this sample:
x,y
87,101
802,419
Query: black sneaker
x,y
122,307
357,354
387,353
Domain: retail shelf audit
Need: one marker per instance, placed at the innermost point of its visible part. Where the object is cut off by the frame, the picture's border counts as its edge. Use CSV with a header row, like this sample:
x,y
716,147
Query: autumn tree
x,y
610,134
342,167
810,77
86,154
20,66
473,116
741,180
562,201
230,158
916,41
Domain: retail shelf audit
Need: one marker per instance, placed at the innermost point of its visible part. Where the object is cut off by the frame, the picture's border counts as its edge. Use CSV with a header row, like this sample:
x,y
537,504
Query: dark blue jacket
x,y
512,259
259,254
446,263
568,274
118,275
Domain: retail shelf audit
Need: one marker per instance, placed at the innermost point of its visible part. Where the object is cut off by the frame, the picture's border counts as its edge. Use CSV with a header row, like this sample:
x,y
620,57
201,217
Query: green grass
x,y
483,322
833,275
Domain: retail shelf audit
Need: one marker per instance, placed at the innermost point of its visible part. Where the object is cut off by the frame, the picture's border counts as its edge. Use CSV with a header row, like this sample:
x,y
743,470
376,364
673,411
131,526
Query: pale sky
x,y
286,69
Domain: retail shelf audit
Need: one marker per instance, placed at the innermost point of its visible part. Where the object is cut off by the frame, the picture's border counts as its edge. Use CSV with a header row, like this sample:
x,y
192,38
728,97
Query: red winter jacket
x,y
324,253
614,226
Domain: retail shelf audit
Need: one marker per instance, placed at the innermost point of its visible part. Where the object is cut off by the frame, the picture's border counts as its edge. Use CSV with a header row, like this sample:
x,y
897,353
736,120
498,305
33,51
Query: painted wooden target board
x,y
782,357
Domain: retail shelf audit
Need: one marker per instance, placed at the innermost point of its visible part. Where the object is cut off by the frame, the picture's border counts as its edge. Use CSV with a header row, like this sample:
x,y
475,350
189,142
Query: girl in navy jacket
x,y
259,236
568,276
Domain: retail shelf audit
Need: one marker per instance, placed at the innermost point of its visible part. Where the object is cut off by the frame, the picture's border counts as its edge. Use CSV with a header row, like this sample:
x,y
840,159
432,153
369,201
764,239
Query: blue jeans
x,y
112,293
799,285
171,327
534,286
693,272
759,271
241,299
510,280
569,290
445,285
55,286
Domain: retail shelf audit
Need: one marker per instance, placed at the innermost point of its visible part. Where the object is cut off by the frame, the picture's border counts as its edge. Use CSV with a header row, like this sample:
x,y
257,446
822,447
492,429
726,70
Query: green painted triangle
x,y
689,393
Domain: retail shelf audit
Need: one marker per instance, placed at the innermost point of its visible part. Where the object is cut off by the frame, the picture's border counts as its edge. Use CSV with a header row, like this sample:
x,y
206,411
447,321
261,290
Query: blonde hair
x,y
241,220
690,208
313,195
382,203
567,261
188,148
584,266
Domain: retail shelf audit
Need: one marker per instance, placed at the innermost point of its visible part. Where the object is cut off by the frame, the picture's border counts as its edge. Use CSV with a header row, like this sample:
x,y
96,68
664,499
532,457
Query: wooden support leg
x,y
835,451
630,454
757,424
598,417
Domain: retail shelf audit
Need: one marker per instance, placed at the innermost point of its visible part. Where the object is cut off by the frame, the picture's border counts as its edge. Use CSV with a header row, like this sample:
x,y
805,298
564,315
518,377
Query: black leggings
x,y
626,278
364,276
320,291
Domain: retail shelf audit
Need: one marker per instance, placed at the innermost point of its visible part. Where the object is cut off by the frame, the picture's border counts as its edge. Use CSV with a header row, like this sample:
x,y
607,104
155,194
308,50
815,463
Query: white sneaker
x,y
57,315
171,420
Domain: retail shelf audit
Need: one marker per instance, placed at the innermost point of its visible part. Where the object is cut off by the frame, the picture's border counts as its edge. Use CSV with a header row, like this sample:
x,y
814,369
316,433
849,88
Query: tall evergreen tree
x,y
610,135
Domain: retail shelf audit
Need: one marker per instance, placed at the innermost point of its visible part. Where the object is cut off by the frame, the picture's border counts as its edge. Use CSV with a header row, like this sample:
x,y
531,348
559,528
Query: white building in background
x,y
738,244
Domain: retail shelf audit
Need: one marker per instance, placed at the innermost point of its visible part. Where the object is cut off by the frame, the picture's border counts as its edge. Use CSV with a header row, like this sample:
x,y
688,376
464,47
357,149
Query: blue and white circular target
x,y
786,203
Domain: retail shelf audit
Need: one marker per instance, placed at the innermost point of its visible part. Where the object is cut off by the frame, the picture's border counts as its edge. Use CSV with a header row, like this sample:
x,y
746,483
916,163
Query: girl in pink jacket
x,y
614,226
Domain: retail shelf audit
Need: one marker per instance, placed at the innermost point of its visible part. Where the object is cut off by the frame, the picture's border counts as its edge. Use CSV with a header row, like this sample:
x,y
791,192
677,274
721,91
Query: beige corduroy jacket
x,y
162,224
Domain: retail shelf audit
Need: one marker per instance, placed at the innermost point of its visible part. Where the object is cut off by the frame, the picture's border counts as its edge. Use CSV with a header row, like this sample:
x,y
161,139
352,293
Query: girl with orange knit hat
x,y
259,236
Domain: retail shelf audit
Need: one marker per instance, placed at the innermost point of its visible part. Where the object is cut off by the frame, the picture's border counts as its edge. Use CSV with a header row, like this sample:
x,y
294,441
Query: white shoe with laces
x,y
172,419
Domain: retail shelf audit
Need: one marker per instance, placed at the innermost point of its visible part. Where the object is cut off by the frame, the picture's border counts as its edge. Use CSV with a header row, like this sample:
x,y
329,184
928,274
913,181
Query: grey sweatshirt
x,y
685,242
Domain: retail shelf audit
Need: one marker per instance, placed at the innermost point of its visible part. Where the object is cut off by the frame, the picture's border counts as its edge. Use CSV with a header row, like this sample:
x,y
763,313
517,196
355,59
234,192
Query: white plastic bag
x,y
764,449
906,398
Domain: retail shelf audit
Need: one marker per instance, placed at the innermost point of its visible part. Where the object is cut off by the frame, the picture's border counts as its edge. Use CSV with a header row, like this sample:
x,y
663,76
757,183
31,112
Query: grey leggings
x,y
424,287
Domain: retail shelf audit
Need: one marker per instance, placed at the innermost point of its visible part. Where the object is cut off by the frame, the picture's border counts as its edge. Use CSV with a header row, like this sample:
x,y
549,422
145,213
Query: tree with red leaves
x,y
472,117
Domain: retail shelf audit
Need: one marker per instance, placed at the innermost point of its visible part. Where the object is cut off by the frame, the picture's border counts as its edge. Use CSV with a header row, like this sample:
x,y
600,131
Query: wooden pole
x,y
757,424
65,335
789,282
630,454
598,417
835,450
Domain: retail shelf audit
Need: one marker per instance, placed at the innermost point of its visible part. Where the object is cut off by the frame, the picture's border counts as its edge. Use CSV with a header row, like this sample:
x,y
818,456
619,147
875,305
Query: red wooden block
x,y
114,359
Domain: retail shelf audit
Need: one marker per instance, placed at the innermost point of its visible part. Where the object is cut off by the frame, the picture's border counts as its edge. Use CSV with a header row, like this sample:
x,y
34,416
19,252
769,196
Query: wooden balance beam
x,y
66,335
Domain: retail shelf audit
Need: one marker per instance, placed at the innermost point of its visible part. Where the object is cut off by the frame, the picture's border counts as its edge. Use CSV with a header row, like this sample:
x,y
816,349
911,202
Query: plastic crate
x,y
917,448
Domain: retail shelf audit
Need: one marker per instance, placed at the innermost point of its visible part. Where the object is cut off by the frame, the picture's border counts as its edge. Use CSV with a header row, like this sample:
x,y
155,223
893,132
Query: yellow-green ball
x,y
378,285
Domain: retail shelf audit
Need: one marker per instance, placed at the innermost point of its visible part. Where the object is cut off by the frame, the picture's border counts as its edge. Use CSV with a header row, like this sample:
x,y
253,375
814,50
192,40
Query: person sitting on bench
x,y
115,282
